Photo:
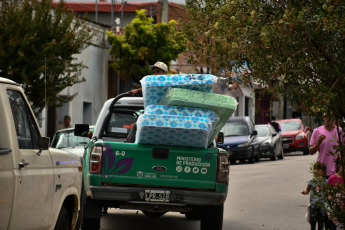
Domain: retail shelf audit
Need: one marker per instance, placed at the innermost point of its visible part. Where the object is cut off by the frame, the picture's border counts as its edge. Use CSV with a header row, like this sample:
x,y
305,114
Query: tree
x,y
37,41
144,43
295,48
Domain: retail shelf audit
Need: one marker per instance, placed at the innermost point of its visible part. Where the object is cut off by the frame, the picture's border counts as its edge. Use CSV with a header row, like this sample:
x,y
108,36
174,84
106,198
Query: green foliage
x,y
295,48
144,43
34,39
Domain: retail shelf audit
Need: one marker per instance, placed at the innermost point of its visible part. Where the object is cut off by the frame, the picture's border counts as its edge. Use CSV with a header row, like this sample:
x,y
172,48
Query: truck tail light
x,y
96,159
223,168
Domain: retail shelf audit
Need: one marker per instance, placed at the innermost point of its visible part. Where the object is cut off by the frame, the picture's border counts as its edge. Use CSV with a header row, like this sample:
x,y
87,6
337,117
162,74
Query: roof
x,y
7,81
106,6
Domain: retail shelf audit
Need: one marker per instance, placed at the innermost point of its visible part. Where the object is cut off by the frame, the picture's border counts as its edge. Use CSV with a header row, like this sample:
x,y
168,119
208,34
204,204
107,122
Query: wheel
x,y
281,156
91,223
274,157
63,221
257,158
195,214
251,160
153,215
212,217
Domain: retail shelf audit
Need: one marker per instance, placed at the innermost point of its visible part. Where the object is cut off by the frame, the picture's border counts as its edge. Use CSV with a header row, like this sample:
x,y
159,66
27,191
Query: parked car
x,y
270,142
66,140
296,137
240,140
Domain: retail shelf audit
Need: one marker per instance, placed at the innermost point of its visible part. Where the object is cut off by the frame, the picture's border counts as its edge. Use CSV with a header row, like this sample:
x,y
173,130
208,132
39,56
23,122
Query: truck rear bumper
x,y
137,195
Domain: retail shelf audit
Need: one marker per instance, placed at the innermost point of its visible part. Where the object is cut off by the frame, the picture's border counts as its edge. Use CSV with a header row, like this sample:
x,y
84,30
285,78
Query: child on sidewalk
x,y
315,187
336,193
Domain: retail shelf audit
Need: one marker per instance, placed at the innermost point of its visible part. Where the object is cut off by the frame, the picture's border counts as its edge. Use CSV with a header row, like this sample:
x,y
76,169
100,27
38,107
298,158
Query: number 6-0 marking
x,y
122,153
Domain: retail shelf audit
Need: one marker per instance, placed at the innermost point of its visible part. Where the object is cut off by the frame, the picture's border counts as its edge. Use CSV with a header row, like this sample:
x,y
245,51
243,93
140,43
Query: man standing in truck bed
x,y
159,68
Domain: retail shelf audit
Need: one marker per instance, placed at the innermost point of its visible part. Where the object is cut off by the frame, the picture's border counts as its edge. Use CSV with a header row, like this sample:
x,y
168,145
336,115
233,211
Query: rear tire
x,y
63,222
212,217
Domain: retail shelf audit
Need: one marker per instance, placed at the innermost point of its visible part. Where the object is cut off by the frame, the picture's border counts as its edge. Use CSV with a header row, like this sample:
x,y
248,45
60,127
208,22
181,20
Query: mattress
x,y
155,86
222,105
187,131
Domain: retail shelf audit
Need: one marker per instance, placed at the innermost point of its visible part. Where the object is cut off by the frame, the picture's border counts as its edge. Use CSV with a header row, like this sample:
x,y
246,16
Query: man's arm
x,y
313,149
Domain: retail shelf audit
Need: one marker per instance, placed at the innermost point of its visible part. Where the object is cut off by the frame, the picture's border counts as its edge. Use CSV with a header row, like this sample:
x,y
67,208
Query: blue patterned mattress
x,y
155,86
187,131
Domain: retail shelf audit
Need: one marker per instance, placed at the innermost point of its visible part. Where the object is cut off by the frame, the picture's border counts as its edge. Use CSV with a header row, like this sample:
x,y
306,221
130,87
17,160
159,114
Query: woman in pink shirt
x,y
322,140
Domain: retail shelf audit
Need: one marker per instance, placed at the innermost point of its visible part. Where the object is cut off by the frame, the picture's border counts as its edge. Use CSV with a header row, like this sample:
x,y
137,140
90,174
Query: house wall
x,y
92,93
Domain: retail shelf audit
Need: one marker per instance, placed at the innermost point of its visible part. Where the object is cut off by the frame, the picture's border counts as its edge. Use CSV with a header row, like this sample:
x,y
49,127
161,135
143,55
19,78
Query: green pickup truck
x,y
152,178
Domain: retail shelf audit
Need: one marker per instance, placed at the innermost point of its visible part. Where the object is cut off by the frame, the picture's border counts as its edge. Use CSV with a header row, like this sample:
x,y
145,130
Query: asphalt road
x,y
264,195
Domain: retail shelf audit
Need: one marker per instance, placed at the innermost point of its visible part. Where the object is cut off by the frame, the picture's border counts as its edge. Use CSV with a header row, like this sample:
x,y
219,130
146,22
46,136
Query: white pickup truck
x,y
39,186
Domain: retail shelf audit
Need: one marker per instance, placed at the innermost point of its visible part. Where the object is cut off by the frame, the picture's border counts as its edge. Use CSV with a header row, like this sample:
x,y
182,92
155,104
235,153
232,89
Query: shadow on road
x,y
129,220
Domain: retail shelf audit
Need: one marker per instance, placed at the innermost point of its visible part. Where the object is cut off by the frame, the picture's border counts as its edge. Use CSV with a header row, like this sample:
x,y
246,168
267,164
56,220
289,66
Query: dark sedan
x,y
270,142
240,140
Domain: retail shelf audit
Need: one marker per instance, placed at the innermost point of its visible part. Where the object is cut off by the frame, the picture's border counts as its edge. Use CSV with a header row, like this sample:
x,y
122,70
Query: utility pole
x,y
112,16
165,11
96,11
122,5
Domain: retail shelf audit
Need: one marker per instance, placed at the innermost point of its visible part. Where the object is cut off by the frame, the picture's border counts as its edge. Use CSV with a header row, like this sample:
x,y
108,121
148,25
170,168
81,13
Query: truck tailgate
x,y
162,166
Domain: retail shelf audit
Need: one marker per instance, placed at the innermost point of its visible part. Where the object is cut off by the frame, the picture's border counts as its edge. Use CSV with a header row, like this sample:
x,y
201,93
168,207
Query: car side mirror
x,y
307,129
254,133
274,134
42,144
81,130
220,139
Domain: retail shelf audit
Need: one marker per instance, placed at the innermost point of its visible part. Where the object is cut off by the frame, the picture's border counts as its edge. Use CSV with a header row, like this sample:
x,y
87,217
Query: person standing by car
x,y
66,123
275,125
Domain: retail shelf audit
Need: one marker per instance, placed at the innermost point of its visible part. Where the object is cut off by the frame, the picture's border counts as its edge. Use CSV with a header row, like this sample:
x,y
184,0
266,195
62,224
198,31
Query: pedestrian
x,y
275,125
336,192
66,122
315,187
322,140
159,68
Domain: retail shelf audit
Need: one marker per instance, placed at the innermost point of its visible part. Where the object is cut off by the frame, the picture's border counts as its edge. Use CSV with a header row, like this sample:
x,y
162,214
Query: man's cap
x,y
159,65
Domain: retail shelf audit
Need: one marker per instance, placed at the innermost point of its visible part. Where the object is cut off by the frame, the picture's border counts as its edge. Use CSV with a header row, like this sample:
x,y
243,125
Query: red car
x,y
296,137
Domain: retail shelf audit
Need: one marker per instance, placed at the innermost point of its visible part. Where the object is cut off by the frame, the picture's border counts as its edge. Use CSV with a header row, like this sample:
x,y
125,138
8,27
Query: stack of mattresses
x,y
188,124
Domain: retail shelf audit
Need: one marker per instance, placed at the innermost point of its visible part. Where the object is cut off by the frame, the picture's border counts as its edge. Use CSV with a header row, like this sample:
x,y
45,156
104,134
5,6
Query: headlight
x,y
243,145
300,136
267,142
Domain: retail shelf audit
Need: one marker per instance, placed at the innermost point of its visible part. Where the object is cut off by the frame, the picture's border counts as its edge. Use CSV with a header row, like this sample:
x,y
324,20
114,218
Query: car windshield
x,y
235,129
65,139
263,131
289,126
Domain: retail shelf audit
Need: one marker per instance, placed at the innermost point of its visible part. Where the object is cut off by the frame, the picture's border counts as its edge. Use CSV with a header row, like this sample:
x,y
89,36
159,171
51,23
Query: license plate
x,y
285,146
157,195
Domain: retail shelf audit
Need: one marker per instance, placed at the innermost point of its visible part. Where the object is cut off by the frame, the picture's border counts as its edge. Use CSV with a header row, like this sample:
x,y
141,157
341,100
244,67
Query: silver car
x,y
65,139
270,142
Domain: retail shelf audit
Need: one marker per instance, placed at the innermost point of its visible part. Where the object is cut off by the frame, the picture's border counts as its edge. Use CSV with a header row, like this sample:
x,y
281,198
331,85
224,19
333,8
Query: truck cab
x,y
39,186
152,178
